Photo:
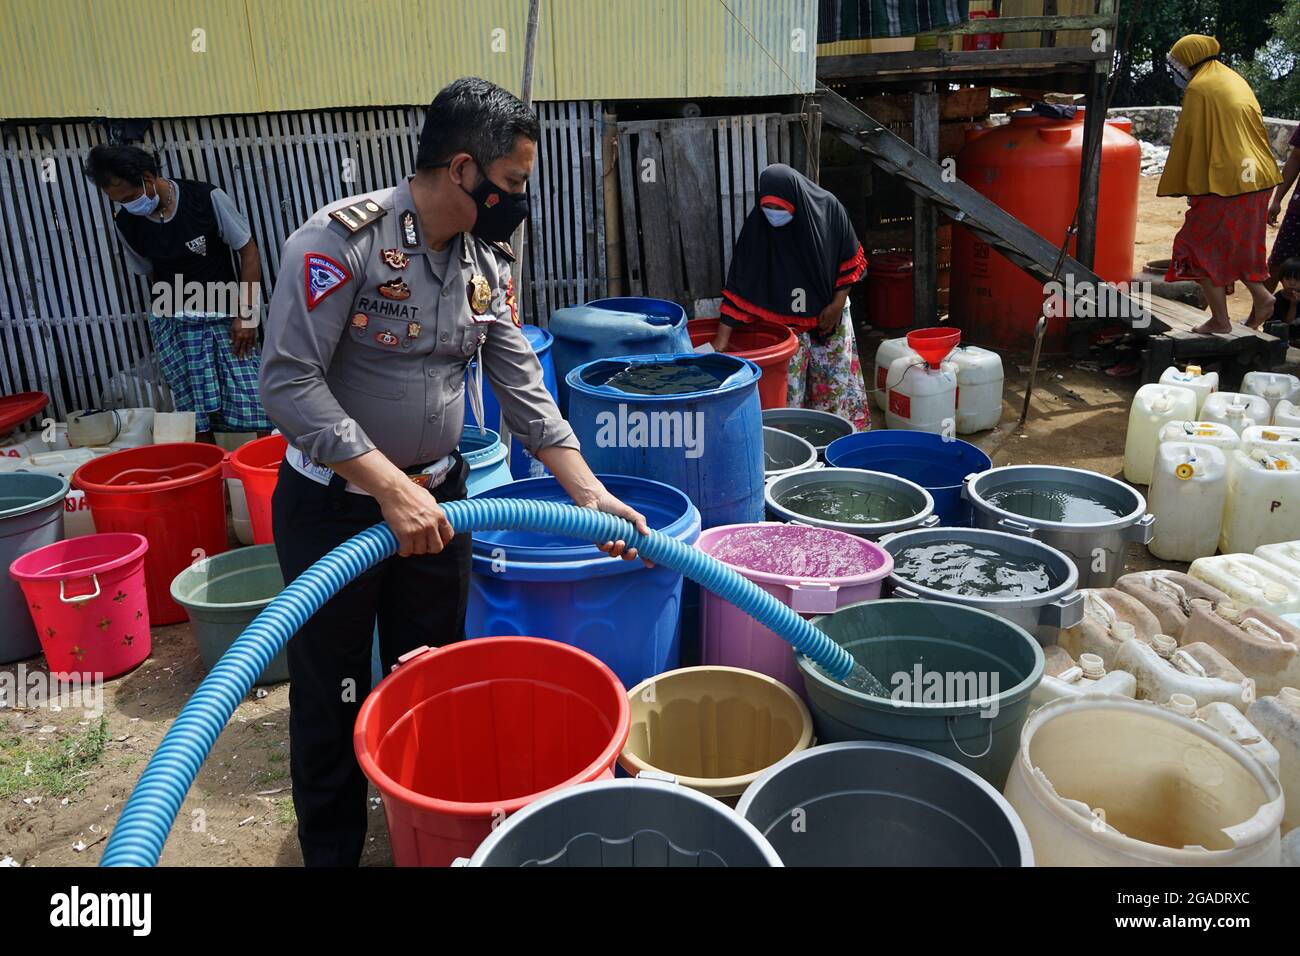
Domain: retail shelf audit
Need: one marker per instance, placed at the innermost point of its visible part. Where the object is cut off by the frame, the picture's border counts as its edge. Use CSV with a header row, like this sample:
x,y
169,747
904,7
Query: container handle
x,y
1017,527
1142,530
658,775
965,485
902,592
1067,612
80,598
931,522
813,597
988,747
411,655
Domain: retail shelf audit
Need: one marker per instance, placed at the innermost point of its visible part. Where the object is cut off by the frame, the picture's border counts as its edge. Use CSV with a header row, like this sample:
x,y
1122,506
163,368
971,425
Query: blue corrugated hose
x,y
147,818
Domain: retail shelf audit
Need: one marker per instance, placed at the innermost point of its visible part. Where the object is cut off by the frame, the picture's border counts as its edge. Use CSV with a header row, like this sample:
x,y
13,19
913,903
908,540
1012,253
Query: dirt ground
x,y
64,777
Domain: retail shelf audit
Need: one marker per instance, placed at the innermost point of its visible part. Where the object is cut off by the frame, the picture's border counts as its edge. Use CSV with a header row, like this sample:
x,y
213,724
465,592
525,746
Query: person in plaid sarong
x,y
187,236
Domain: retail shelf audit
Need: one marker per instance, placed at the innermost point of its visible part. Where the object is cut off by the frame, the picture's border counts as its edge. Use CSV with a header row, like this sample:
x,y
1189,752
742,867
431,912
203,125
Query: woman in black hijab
x,y
795,260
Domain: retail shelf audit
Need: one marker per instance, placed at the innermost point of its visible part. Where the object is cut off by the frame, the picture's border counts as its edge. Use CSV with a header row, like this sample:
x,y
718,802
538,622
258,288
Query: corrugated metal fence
x,y
72,317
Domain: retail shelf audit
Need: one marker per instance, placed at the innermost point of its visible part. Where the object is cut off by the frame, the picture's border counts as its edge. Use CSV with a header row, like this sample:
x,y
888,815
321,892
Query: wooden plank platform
x,y
1170,337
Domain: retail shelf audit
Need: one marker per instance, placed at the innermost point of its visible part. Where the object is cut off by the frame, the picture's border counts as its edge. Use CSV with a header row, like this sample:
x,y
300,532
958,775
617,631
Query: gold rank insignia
x,y
356,217
395,258
412,330
396,289
480,294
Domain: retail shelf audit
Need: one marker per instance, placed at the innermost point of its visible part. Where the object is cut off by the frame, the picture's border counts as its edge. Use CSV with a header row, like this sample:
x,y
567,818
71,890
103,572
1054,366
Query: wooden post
x,y
1094,125
925,217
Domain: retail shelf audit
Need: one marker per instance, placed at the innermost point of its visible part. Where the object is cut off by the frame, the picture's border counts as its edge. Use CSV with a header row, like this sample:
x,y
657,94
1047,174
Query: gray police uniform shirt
x,y
366,345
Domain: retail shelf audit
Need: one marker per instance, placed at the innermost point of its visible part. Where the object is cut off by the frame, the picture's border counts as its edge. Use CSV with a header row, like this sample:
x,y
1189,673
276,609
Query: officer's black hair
x,y
1290,268
127,163
471,115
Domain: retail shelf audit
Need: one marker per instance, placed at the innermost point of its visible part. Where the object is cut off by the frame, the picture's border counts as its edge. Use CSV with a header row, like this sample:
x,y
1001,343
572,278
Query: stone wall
x,y
1155,124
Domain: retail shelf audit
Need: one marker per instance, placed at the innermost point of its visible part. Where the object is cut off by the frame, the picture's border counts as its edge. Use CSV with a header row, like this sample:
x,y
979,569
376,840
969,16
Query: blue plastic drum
x,y
936,463
545,585
522,464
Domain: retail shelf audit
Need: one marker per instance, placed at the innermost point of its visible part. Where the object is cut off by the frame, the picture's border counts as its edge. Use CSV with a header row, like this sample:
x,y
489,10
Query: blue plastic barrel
x,y
544,585
936,463
522,464
486,457
708,444
624,325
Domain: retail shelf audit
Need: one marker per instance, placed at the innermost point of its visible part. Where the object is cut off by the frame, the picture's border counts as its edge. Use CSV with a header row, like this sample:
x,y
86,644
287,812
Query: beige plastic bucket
x,y
714,728
1109,781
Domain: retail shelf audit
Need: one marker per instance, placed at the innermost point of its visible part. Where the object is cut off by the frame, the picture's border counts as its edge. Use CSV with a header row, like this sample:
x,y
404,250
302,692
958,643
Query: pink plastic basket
x,y
87,599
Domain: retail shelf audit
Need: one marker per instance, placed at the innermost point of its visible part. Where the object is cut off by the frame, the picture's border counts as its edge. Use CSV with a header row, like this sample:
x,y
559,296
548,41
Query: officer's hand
x,y
242,339
416,519
607,503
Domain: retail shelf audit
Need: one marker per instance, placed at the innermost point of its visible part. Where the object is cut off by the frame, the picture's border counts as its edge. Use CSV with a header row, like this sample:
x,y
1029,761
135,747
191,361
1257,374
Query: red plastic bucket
x,y
171,494
889,290
257,465
459,737
766,344
87,600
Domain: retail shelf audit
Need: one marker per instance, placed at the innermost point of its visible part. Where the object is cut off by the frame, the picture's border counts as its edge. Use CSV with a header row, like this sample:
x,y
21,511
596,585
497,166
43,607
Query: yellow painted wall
x,y
127,58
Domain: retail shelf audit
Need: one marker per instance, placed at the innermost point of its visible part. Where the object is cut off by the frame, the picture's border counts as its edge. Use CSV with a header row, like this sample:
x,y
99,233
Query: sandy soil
x,y
239,812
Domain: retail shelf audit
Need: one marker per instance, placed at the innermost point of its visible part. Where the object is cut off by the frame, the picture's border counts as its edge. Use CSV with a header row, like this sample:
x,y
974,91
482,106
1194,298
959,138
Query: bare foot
x,y
1213,327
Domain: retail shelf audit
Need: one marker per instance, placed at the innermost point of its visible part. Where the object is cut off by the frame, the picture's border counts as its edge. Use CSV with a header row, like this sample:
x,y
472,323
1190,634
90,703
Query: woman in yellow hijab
x,y
1221,161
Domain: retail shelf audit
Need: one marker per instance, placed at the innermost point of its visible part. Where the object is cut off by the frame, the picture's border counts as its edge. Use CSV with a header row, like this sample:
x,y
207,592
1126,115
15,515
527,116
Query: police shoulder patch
x,y
323,277
358,215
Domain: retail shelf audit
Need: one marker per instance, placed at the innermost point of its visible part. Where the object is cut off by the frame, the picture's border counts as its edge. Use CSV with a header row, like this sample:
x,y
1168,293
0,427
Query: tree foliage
x,y
1259,39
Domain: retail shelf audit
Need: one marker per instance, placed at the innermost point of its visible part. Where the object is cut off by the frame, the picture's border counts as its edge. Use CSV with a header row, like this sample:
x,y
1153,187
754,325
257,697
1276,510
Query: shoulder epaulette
x,y
503,247
357,216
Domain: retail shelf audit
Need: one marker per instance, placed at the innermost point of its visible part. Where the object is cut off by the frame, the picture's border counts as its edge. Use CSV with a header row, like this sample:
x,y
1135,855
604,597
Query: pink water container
x,y
812,570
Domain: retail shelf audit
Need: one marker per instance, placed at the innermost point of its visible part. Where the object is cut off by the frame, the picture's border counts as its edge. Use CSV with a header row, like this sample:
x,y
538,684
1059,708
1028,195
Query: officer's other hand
x,y
242,338
604,501
416,519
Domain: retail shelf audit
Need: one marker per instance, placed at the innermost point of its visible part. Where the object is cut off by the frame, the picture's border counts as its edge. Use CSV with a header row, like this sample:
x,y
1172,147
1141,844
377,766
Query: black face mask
x,y
499,212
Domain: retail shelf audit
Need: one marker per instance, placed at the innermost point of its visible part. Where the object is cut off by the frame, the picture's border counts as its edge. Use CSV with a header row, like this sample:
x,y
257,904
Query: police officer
x,y
381,302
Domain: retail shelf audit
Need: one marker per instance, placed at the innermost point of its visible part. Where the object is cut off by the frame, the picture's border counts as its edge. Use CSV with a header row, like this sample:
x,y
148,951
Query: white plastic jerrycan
x,y
1286,414
1271,440
1168,595
1201,433
1262,645
1153,406
1163,669
1204,384
1089,676
1278,719
1236,410
1110,617
979,388
1236,726
1263,503
1284,555
1250,581
1273,387
1188,489
886,352
922,397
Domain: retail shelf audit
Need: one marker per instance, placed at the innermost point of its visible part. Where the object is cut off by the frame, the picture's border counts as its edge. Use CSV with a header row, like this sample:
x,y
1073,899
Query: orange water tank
x,y
1030,167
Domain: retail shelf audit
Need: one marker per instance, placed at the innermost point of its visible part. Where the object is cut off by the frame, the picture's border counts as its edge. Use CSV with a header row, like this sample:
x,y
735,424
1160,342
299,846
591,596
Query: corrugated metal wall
x,y
157,58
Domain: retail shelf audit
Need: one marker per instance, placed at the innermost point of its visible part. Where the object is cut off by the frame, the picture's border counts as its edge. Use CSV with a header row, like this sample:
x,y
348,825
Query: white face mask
x,y
777,217
1181,74
143,204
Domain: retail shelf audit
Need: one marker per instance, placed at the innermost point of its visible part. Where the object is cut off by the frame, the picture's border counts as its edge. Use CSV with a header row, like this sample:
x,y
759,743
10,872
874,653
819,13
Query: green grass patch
x,y
58,768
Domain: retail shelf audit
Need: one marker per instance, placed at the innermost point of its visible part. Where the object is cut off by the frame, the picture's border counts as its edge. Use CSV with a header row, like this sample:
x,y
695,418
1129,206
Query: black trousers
x,y
417,600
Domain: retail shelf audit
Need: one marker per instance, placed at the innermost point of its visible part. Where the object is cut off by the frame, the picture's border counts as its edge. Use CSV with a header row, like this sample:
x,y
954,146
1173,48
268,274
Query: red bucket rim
x,y
212,470
786,345
238,457
140,545
18,407
391,788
